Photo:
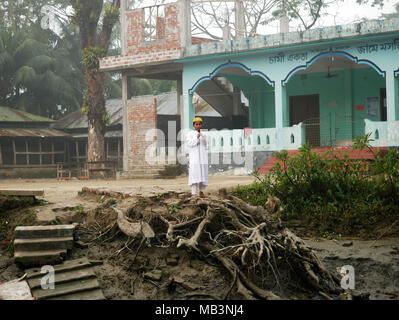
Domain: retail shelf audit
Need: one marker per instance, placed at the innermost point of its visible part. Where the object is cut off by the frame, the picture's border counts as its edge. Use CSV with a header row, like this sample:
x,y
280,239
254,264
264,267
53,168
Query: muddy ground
x,y
376,262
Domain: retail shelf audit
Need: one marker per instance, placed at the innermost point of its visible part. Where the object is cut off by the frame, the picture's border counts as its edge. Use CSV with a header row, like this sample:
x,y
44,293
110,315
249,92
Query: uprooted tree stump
x,y
262,256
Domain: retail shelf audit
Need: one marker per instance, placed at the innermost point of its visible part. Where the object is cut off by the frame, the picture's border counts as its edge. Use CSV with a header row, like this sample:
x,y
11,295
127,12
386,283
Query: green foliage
x,y
91,57
38,73
106,118
174,207
330,191
111,14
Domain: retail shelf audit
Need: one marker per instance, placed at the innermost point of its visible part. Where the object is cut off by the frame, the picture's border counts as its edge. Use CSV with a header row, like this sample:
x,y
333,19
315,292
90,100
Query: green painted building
x,y
324,86
334,87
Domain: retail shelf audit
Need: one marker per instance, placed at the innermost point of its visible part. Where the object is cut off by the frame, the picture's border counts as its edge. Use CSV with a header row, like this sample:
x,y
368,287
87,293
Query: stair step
x,y
43,244
66,289
64,277
35,232
66,266
28,258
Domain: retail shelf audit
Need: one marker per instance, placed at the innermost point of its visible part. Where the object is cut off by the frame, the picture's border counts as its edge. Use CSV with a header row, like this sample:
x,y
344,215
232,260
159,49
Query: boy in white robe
x,y
198,159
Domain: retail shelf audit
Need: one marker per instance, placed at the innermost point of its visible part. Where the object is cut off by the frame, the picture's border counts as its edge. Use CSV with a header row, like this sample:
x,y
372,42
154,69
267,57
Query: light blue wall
x,y
278,64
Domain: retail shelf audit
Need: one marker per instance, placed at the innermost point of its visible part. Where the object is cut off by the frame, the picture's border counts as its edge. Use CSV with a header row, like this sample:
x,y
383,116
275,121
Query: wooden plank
x,y
22,192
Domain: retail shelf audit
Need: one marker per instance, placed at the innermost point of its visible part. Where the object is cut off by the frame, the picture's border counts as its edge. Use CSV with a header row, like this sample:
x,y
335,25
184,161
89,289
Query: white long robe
x,y
198,158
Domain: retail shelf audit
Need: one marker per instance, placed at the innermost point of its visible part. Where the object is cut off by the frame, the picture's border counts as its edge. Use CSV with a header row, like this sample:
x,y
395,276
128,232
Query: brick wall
x,y
167,47
142,116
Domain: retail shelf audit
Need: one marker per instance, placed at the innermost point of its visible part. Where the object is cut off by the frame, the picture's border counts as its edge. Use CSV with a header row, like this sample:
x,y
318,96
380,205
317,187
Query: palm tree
x,y
37,74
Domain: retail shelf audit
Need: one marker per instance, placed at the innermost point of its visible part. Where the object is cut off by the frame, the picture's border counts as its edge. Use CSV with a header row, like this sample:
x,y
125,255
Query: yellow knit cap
x,y
197,119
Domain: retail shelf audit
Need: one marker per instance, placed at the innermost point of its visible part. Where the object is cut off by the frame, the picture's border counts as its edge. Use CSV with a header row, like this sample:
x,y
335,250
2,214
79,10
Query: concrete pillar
x,y
348,103
281,105
236,101
125,123
226,33
179,90
123,26
180,103
392,96
239,19
185,22
284,21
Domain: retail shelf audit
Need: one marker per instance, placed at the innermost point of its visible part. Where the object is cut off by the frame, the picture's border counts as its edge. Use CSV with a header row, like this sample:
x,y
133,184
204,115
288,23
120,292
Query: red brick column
x,y
142,116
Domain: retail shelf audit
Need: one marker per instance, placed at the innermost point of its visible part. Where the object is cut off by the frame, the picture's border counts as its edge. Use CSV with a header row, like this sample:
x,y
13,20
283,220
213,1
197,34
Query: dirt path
x,y
63,195
62,191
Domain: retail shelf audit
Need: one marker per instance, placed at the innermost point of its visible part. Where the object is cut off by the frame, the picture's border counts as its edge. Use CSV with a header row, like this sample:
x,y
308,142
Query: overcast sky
x,y
347,11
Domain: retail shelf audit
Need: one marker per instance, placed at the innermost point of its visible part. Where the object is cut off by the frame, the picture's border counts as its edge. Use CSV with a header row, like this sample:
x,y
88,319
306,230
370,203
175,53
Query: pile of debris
x,y
257,256
264,259
46,248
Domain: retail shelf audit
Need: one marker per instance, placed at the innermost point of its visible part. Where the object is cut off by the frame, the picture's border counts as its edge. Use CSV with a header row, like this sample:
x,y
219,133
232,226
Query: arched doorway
x,y
332,95
238,96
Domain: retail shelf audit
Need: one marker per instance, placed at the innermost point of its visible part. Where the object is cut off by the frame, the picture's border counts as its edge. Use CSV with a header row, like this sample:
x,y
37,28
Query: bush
x,y
329,191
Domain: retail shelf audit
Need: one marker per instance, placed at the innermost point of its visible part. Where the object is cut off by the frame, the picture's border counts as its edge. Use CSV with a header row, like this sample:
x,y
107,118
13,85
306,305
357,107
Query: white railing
x,y
265,139
384,133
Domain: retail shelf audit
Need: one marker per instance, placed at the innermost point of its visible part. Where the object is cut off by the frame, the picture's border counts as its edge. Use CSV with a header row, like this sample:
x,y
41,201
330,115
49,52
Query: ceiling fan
x,y
329,75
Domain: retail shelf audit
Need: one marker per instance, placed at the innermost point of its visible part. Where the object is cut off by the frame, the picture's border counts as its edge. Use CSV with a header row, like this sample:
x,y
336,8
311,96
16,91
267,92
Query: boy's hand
x,y
199,135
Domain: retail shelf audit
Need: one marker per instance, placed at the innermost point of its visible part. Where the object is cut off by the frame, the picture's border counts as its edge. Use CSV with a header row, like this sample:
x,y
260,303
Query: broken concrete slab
x,y
15,290
73,280
40,245
43,244
66,266
40,258
34,232
22,192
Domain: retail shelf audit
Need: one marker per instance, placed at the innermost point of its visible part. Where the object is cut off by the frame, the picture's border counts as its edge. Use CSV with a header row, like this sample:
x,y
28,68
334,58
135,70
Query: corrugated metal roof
x,y
8,114
166,105
15,132
109,134
78,119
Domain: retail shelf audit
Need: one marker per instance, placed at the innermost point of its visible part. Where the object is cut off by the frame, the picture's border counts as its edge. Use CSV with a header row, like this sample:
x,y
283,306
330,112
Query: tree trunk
x,y
96,127
87,18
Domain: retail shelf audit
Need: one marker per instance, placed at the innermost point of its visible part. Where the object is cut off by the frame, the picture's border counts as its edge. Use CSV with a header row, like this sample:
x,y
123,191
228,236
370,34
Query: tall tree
x,y
211,16
17,14
95,19
36,72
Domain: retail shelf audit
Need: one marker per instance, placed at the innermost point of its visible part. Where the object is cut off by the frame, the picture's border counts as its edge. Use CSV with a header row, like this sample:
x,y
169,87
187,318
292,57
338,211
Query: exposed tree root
x,y
245,240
